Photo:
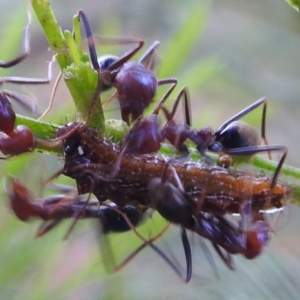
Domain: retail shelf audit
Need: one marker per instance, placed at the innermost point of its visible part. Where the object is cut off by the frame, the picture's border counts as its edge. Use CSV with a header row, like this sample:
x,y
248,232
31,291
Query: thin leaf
x,y
294,3
180,46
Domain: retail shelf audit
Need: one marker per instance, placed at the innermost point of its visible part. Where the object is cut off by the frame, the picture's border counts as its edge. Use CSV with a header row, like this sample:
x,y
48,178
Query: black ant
x,y
17,140
135,82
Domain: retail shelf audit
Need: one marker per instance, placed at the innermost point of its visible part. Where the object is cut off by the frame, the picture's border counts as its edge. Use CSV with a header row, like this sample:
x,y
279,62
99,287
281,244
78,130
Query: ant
x,y
135,82
55,208
20,139
178,207
233,137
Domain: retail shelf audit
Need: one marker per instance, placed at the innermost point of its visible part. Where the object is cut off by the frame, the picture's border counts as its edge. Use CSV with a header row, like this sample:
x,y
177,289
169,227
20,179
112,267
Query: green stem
x,y
76,68
116,129
52,31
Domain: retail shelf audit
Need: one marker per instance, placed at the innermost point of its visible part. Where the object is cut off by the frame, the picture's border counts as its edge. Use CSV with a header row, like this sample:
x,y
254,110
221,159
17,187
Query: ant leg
x,y
177,134
188,254
186,106
139,249
92,49
21,57
244,112
173,82
31,107
19,80
35,81
147,58
105,78
187,251
78,215
173,204
226,258
90,38
94,58
276,174
150,244
279,167
44,229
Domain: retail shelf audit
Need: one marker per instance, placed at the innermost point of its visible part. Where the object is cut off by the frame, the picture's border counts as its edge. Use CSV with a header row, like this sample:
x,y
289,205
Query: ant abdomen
x,y
238,134
13,141
20,200
144,137
112,221
7,115
21,140
171,203
136,87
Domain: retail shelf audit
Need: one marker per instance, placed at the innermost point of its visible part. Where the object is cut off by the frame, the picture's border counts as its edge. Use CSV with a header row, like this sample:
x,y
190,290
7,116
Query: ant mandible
x,y
135,82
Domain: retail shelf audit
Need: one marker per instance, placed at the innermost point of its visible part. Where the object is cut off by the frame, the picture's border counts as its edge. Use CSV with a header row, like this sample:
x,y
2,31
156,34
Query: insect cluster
x,y
131,178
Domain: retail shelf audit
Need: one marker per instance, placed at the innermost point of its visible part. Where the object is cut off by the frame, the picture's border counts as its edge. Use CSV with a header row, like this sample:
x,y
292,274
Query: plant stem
x,y
79,76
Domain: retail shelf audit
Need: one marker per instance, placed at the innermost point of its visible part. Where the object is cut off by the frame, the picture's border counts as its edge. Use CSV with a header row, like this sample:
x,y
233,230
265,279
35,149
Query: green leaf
x,y
294,3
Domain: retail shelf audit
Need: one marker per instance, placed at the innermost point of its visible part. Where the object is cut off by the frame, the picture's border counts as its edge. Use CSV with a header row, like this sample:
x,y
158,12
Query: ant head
x,y
72,145
71,142
105,61
256,239
20,198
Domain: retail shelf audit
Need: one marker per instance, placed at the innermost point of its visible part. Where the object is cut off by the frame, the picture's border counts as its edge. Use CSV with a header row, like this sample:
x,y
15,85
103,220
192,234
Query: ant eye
x,y
71,145
106,61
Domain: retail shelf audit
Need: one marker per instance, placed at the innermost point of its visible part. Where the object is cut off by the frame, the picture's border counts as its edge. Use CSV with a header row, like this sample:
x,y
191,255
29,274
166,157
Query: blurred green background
x,y
229,53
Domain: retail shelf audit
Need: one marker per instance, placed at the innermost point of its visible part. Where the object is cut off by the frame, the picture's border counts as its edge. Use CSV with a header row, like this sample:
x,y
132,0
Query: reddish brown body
x,y
89,159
